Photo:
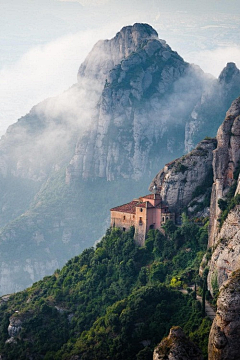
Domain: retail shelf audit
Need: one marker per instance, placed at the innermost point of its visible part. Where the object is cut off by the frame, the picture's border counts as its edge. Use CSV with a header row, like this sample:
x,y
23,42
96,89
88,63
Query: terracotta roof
x,y
128,208
150,196
144,204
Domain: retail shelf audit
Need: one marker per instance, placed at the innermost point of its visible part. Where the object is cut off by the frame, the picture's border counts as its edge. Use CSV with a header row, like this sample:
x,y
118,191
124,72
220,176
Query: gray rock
x,y
225,239
178,180
224,335
177,347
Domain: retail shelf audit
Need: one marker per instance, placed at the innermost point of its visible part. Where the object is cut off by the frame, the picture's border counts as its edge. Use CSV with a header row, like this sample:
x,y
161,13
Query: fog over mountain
x,y
43,42
137,105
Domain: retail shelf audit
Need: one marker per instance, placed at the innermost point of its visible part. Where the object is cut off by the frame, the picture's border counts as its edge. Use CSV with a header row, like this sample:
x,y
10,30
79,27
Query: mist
x,y
44,43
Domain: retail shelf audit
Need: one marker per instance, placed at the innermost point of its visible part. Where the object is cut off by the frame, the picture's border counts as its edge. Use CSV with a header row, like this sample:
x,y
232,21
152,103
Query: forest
x,y
114,301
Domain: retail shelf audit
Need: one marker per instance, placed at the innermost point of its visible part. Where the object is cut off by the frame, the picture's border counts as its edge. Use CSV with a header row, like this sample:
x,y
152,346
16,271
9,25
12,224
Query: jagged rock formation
x,y
14,328
187,180
127,115
225,257
138,106
225,161
224,335
225,240
215,100
177,347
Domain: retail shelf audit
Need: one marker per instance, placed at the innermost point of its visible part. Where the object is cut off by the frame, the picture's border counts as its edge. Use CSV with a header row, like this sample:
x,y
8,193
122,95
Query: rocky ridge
x,y
224,240
214,102
186,182
225,331
177,347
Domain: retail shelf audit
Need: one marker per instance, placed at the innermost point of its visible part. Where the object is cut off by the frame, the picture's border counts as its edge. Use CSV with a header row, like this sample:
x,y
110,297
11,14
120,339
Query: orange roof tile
x,y
150,196
144,204
128,208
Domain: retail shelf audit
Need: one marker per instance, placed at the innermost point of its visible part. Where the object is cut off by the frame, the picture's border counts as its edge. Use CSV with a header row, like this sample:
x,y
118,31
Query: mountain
x,y
224,209
75,156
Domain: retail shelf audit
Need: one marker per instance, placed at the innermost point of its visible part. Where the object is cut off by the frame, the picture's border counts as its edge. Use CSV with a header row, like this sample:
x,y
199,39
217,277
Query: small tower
x,y
154,190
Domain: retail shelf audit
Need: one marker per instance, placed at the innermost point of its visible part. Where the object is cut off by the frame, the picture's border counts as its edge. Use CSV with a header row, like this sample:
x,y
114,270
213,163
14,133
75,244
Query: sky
x,y
43,42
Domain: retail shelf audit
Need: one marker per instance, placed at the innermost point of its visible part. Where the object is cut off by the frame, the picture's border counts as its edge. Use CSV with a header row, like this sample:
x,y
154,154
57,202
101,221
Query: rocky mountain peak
x,y
229,73
108,53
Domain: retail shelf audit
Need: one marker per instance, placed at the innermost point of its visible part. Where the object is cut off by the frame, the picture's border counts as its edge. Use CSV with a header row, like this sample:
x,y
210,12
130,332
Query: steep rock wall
x,y
225,332
225,240
178,180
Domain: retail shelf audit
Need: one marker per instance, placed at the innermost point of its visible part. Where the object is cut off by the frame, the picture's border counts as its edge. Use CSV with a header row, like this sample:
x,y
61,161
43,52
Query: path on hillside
x,y
210,312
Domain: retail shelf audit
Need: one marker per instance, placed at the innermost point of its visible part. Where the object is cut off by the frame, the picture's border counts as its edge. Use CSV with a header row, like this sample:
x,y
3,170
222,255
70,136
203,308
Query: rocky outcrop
x,y
225,160
186,181
215,100
14,329
177,347
225,258
225,239
225,332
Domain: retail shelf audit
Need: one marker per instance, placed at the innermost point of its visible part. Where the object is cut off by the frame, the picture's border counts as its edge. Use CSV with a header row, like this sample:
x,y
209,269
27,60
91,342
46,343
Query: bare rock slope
x,y
225,332
186,178
177,347
225,239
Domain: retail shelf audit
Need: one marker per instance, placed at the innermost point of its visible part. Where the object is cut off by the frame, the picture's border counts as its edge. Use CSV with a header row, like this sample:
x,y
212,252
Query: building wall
x,y
168,216
146,218
153,218
140,225
122,220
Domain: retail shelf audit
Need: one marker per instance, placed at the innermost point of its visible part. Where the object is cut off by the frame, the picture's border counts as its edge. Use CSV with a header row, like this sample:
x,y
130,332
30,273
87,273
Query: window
x,y
163,219
124,217
124,228
141,209
140,220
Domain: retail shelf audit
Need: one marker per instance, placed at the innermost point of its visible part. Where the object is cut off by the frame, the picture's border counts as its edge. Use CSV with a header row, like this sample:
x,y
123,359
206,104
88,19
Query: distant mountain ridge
x,y
75,156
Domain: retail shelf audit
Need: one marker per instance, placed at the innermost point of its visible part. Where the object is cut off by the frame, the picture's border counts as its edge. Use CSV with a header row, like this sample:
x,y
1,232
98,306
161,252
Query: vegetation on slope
x,y
116,301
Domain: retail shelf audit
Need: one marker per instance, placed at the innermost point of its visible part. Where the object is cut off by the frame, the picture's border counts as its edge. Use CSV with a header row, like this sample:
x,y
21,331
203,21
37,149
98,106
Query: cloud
x,y
42,72
213,61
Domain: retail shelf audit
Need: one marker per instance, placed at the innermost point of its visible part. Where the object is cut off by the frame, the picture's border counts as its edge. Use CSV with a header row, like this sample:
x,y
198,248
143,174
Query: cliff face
x,y
139,113
187,179
225,162
215,99
177,347
225,331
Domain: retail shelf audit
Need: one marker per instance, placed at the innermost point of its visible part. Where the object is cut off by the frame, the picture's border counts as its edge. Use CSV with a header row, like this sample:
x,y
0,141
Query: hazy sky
x,y
43,42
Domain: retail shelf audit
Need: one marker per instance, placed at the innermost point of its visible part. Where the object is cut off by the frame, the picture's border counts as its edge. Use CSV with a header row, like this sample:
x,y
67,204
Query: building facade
x,y
145,213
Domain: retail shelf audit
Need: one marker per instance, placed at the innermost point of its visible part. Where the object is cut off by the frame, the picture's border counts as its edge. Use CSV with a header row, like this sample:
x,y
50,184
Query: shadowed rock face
x,y
225,258
225,332
178,180
177,347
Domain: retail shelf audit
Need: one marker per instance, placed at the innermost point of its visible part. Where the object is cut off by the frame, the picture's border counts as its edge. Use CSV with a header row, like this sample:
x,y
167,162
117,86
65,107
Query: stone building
x,y
145,213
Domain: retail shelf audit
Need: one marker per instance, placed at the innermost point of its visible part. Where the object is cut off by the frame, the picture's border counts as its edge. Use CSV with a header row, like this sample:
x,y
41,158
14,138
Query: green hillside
x,y
115,301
